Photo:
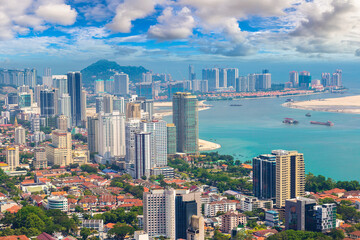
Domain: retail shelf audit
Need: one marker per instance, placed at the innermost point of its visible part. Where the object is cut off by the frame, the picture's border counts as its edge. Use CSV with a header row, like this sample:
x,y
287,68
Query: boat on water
x,y
308,115
235,105
290,121
328,123
289,100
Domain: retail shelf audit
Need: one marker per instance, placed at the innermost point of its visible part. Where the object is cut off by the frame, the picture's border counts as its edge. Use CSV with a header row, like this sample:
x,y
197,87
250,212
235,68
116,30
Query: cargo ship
x,y
290,121
328,123
235,105
308,115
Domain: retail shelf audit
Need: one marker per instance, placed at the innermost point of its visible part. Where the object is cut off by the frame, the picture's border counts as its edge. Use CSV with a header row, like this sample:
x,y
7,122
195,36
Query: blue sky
x,y
167,35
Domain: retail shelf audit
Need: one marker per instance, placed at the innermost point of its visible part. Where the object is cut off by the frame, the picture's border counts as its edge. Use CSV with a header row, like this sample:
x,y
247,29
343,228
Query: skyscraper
x,y
47,78
294,78
212,75
158,138
131,128
326,79
171,138
336,79
263,81
61,83
304,80
232,75
111,138
143,152
64,107
99,86
121,84
47,105
108,103
133,111
119,104
20,136
74,82
196,229
40,160
185,118
223,77
12,157
290,175
63,123
299,214
264,176
59,151
93,132
192,74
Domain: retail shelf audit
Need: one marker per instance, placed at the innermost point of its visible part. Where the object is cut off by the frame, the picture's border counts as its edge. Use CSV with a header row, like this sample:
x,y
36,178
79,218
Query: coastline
x,y
168,112
350,105
207,146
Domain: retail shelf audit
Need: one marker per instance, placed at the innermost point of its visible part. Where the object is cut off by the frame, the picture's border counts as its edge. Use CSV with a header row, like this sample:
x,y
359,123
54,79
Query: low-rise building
x,y
225,205
272,218
97,224
231,220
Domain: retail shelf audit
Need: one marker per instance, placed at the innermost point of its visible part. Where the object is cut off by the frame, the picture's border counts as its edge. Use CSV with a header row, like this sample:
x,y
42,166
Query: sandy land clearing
x,y
340,105
208,146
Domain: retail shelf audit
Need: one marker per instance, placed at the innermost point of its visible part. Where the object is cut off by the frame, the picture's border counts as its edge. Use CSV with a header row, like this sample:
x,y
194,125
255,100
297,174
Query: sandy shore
x,y
208,146
340,105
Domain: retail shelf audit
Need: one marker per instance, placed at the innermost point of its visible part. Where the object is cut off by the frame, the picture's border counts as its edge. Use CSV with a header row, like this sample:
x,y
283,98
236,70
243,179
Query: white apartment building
x,y
225,205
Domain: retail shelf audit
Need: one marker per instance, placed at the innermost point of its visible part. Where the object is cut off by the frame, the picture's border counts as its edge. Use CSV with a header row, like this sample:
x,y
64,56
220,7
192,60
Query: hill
x,y
104,69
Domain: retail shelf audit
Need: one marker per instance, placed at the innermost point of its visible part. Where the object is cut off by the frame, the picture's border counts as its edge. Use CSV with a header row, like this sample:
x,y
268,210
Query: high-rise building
x,y
147,77
196,229
171,138
290,176
263,81
25,99
200,86
232,75
99,86
35,123
326,79
212,75
294,78
64,107
63,123
304,80
30,76
143,152
47,78
119,104
299,214
121,84
185,118
147,106
93,132
336,78
159,213
231,220
264,176
223,77
108,103
252,82
40,160
60,82
20,136
186,205
37,90
325,216
133,111
47,106
12,157
83,108
59,152
192,74
109,86
169,212
158,139
74,83
131,128
242,84
111,137
146,90
99,104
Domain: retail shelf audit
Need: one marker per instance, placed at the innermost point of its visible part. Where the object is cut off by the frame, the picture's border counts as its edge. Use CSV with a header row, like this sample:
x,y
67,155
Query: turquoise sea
x,y
256,127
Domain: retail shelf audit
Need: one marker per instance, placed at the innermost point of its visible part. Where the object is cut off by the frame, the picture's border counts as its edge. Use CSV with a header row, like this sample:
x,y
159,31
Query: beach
x,y
208,146
339,105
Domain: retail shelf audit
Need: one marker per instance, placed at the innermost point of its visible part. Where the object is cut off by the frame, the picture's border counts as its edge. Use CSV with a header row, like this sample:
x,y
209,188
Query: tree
x,y
337,234
84,233
119,231
219,236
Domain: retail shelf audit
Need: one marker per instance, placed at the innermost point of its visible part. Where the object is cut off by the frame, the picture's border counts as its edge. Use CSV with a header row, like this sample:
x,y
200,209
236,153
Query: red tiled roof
x,y
13,209
356,233
335,190
15,237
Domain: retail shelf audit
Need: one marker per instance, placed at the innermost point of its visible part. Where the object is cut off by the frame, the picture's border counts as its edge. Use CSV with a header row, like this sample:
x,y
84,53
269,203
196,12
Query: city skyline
x,y
71,35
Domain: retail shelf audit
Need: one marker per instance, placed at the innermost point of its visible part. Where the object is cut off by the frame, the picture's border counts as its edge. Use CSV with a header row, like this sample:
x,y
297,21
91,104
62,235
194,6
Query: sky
x,y
167,35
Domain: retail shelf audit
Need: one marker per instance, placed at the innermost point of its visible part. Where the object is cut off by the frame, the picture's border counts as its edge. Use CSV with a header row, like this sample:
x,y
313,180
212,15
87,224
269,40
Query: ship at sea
x,y
235,105
290,121
308,115
328,123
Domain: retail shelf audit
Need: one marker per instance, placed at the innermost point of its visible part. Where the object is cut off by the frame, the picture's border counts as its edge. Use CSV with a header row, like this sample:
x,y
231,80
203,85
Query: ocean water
x,y
256,128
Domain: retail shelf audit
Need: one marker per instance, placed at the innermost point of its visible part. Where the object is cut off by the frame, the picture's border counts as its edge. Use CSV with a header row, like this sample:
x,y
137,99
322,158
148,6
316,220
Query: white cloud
x,y
129,11
172,25
57,13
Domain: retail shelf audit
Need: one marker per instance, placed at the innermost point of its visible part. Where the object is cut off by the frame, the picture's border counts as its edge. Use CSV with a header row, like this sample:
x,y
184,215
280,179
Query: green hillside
x,y
104,69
